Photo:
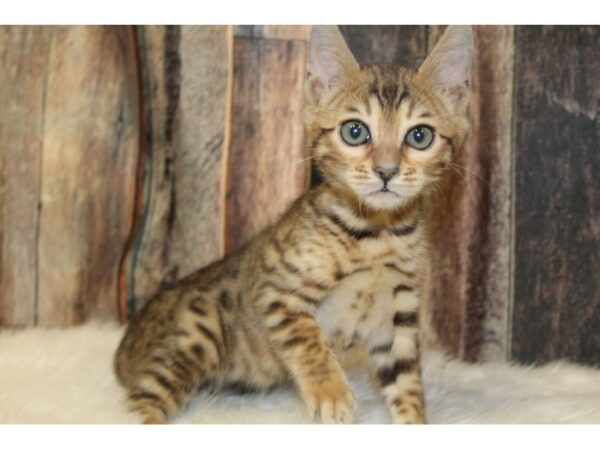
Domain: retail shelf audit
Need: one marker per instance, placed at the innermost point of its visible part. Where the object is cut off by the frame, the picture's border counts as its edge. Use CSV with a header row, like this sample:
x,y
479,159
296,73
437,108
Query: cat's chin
x,y
384,200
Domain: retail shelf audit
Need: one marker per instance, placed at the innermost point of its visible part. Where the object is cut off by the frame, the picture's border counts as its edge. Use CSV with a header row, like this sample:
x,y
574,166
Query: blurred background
x,y
133,155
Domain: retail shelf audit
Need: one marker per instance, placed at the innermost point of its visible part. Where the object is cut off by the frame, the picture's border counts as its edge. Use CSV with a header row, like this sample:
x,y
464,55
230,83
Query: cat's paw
x,y
151,416
409,416
331,401
147,408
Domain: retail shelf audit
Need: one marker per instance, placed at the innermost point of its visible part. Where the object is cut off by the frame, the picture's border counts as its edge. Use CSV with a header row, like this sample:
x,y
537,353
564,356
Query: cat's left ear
x,y
449,65
329,60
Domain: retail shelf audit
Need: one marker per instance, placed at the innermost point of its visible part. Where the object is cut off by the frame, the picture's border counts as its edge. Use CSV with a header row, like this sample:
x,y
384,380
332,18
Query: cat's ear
x,y
449,65
329,60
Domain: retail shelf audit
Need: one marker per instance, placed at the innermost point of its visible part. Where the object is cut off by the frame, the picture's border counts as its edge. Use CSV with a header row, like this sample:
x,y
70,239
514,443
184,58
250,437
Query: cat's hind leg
x,y
191,354
165,385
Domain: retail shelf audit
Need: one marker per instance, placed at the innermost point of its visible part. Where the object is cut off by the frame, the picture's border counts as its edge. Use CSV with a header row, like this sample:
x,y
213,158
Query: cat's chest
x,y
360,305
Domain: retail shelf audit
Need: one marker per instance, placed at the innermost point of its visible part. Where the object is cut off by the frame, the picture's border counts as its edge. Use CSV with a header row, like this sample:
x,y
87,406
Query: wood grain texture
x,y
248,31
87,167
286,32
387,44
299,32
187,76
488,171
23,74
267,169
557,204
470,297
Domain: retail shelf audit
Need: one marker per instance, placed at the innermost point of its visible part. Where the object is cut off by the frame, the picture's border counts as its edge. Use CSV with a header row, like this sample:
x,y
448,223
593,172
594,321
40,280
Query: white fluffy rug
x,y
65,376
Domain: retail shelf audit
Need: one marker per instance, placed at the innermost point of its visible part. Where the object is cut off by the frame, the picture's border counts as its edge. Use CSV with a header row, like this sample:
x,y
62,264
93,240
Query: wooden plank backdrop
x,y
557,209
186,83
268,168
24,55
469,290
74,163
140,154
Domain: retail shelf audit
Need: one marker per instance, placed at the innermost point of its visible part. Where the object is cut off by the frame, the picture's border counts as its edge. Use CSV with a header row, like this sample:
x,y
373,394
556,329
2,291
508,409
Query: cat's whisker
x,y
471,171
438,192
469,192
360,207
306,159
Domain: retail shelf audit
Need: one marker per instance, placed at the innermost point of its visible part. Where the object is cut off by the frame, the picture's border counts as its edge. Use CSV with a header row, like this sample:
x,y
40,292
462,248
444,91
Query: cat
x,y
341,269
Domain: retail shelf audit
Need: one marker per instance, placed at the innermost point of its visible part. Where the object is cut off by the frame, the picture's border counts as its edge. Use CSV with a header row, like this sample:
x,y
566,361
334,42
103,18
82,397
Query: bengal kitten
x,y
343,266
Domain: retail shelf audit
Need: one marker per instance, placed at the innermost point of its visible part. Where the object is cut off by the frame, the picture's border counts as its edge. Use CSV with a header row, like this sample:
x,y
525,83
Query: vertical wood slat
x,y
285,32
387,44
69,127
489,170
557,196
267,167
444,303
90,142
469,286
23,71
187,77
297,32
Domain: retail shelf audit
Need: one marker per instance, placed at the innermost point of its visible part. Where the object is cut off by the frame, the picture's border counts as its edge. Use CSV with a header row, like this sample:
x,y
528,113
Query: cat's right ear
x,y
329,60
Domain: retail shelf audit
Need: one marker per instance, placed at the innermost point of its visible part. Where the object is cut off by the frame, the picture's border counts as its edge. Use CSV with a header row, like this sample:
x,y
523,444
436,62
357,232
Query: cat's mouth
x,y
383,199
384,191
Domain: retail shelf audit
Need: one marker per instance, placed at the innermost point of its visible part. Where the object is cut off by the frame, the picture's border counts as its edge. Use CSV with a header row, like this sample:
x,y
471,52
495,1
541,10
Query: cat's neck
x,y
344,202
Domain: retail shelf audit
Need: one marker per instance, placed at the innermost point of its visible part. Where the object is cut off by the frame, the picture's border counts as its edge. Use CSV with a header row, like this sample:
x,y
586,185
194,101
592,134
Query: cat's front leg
x,y
301,344
394,353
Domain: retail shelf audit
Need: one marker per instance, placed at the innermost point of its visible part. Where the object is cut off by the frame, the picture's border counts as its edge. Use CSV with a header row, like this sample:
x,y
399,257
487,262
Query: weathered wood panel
x,y
387,44
186,90
23,71
557,195
488,172
444,303
299,32
90,141
469,287
267,167
287,32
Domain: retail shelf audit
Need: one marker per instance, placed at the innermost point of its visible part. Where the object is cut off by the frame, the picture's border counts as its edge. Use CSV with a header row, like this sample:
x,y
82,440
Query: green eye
x,y
419,137
355,132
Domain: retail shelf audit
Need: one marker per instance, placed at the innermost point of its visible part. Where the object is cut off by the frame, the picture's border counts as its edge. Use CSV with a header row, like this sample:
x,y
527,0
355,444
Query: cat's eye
x,y
419,137
354,132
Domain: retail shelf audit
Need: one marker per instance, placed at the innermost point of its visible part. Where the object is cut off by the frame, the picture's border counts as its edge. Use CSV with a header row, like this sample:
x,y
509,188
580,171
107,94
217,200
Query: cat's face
x,y
386,134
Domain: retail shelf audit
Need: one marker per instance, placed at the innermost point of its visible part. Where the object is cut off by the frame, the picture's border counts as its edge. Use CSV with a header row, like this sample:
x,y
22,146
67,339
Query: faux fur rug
x,y
65,376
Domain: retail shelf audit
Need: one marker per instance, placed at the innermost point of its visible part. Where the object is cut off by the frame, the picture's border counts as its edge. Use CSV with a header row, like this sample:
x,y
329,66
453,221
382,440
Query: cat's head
x,y
386,134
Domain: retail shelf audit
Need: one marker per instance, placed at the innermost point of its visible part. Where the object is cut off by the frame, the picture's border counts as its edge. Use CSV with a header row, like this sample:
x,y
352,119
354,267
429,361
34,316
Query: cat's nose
x,y
386,173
